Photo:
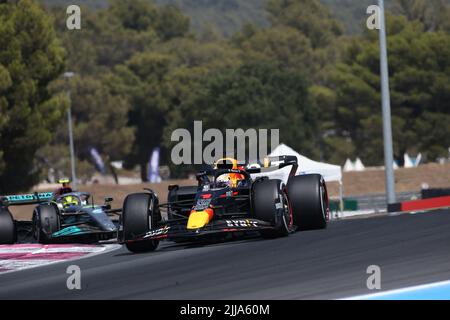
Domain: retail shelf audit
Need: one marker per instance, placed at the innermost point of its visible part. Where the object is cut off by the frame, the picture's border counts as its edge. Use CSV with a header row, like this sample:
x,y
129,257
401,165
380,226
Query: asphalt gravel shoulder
x,y
410,249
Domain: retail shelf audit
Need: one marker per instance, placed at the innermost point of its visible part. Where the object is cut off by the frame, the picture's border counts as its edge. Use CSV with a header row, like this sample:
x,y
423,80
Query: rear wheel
x,y
270,204
139,215
7,227
46,221
309,201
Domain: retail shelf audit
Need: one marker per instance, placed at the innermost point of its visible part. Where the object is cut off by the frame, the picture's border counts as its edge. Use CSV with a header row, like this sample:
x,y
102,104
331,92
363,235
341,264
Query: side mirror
x,y
108,199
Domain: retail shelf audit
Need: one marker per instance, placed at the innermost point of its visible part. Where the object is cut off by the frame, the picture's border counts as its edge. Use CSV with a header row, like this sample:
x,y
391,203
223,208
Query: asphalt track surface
x,y
326,264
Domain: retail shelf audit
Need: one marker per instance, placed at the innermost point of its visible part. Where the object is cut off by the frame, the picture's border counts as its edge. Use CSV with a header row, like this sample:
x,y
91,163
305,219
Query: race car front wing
x,y
177,230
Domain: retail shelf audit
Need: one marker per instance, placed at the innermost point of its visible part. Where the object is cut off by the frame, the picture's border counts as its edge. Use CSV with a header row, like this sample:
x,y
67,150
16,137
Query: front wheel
x,y
139,215
270,204
46,221
7,227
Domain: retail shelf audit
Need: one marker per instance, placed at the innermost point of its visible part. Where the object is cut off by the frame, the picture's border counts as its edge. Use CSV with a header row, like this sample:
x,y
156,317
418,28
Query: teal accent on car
x,y
69,231
31,197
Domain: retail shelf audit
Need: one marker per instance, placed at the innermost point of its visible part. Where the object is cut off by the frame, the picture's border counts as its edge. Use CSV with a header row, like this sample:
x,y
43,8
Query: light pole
x,y
386,105
69,75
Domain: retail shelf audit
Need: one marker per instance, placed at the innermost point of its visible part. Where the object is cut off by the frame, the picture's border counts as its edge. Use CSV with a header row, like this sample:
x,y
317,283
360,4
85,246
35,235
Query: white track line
x,y
24,264
400,291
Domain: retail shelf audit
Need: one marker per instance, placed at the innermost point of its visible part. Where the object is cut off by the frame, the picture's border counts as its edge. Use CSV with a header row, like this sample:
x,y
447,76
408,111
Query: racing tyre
x,y
7,227
309,201
46,221
270,204
138,217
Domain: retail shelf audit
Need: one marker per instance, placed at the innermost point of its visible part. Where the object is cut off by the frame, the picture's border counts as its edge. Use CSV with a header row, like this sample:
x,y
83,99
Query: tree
x,y
107,37
227,16
157,82
303,37
142,78
111,107
433,14
282,45
419,82
138,15
172,23
253,95
310,17
100,121
31,57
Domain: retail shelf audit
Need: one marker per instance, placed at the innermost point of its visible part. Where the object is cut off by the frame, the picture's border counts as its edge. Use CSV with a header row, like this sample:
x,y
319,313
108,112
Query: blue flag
x,y
153,172
99,164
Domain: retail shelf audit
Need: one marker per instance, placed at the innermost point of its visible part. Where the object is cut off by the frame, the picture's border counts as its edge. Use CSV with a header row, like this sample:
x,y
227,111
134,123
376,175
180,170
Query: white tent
x,y
411,162
354,166
408,161
394,165
349,166
359,165
329,172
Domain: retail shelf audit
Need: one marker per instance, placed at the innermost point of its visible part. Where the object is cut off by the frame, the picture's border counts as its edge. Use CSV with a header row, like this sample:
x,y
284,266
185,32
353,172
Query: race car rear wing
x,y
274,163
25,199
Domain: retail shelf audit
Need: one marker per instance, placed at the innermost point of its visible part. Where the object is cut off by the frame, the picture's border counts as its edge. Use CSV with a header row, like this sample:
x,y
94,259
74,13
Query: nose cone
x,y
111,227
103,221
199,219
108,225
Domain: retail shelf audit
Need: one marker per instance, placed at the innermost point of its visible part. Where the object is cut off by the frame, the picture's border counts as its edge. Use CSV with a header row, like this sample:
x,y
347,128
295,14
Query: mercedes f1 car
x,y
227,200
60,218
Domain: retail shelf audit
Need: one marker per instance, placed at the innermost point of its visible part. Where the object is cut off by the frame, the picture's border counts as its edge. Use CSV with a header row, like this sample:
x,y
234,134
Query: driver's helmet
x,y
228,179
65,187
68,201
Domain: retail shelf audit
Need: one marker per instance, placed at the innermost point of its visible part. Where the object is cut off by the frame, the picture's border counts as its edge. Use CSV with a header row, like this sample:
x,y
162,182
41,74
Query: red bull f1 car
x,y
227,200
